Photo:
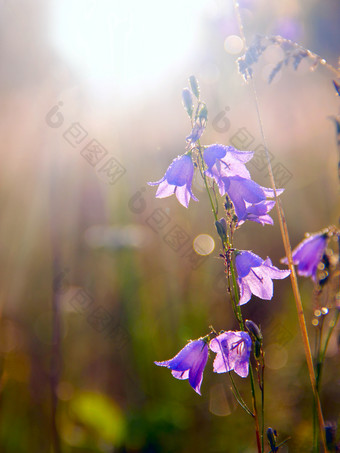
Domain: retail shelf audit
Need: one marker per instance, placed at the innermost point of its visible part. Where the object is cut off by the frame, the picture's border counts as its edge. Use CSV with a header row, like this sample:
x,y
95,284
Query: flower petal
x,y
246,260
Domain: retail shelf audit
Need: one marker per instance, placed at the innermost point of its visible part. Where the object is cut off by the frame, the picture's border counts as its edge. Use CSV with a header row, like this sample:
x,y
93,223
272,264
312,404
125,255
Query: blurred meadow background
x,y
98,278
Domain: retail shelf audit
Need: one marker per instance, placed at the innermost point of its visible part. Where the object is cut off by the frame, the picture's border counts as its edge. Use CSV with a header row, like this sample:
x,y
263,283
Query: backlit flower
x,y
255,275
177,180
224,161
189,363
308,254
258,212
246,194
232,352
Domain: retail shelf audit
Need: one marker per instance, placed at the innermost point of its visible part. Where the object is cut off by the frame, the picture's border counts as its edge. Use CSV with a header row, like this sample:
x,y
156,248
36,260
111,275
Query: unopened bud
x,y
187,101
203,113
194,86
254,330
228,204
272,436
330,434
257,350
221,227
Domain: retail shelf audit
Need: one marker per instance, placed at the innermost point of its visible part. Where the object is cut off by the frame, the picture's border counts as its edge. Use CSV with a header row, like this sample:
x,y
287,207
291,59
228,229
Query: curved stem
x,y
236,306
288,251
256,419
296,292
239,397
323,352
262,401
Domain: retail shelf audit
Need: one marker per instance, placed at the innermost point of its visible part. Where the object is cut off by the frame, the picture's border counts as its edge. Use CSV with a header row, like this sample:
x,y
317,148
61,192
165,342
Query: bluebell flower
x,y
232,352
189,363
258,212
246,194
308,254
177,180
254,276
224,161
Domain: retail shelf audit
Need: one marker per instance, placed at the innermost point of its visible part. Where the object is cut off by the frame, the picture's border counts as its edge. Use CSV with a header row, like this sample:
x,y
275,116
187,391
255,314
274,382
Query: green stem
x,y
320,363
256,419
315,417
288,250
236,306
214,209
323,352
239,397
262,403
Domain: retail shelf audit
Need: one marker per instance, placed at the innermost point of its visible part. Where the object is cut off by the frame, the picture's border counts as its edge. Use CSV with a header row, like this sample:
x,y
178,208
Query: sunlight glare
x,y
124,45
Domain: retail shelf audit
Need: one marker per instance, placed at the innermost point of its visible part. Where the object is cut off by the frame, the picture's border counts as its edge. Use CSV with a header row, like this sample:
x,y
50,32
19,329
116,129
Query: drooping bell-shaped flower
x,y
177,180
232,352
258,212
247,196
255,275
225,161
308,254
189,363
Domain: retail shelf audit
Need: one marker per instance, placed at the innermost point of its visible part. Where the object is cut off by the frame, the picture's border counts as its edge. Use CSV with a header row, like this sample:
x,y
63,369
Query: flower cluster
x,y
223,168
226,167
232,353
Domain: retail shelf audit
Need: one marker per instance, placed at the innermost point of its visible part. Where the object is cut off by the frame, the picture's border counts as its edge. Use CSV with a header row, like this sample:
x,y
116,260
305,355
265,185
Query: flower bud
x,y
194,86
221,227
228,204
254,330
187,101
330,434
257,350
203,114
272,436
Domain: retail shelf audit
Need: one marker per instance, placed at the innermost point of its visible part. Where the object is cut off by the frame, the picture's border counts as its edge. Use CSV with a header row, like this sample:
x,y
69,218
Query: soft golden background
x,y
96,255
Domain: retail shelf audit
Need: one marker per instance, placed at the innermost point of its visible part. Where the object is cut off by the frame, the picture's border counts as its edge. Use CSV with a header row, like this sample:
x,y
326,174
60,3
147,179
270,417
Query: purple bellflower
x,y
232,352
177,180
189,363
246,194
254,276
225,161
258,212
308,254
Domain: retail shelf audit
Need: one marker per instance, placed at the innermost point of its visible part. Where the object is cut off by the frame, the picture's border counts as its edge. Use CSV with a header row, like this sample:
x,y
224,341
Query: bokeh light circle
x,y
203,244
233,44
